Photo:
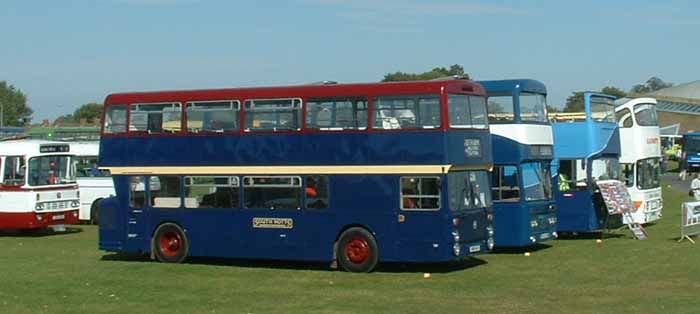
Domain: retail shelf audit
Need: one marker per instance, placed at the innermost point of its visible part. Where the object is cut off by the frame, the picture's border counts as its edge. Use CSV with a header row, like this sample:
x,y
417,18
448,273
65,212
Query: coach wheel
x,y
170,244
94,212
357,251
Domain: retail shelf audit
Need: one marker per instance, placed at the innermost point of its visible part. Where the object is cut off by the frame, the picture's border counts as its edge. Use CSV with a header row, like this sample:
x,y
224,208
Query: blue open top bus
x,y
691,148
586,149
349,173
524,209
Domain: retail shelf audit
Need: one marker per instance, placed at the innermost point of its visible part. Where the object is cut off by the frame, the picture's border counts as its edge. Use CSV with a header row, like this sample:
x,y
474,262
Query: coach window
x,y
316,192
334,114
572,175
212,116
273,114
501,109
14,171
115,119
506,186
275,192
137,192
467,111
165,191
155,118
645,114
624,118
407,112
211,192
420,193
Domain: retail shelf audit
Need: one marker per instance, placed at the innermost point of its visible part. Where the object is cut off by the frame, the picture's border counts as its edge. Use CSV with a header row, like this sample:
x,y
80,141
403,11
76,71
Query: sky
x,y
63,54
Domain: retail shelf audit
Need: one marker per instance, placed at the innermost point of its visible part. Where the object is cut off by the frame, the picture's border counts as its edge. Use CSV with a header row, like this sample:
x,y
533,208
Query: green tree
x,y
652,84
614,91
90,111
454,69
13,101
574,103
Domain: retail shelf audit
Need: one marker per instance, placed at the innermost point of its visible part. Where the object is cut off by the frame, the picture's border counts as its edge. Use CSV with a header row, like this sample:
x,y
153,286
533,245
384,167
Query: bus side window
x,y
165,192
420,193
317,192
14,171
211,192
272,192
506,186
137,192
572,175
155,118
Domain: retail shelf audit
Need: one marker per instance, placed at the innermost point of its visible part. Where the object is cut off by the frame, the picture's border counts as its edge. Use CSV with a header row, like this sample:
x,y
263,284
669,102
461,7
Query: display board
x,y
617,198
690,220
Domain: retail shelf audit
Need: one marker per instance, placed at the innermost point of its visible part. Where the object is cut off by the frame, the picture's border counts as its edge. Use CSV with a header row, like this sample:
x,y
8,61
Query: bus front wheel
x,y
170,243
357,251
94,212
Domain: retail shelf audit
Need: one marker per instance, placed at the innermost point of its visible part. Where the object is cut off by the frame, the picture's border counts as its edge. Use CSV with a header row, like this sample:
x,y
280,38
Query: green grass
x,y
65,273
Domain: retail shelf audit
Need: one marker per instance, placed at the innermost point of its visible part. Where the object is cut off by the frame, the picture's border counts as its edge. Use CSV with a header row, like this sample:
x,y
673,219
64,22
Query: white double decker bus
x,y
641,156
37,185
94,184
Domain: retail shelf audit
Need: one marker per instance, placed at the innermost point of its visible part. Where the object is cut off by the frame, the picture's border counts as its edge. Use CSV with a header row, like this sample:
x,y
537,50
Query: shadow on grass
x,y
305,265
591,235
520,250
43,232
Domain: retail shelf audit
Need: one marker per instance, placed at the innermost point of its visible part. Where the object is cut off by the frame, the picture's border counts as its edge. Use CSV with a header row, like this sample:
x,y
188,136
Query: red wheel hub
x,y
357,250
170,243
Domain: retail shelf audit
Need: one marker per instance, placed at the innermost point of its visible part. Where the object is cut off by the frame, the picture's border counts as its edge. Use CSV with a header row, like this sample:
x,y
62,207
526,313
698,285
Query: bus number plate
x,y
59,217
474,248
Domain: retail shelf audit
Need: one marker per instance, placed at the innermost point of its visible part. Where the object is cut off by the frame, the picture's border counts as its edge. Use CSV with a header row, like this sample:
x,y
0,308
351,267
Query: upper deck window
x,y
602,109
155,118
273,114
645,114
624,118
407,112
467,112
212,116
533,107
501,109
115,119
330,114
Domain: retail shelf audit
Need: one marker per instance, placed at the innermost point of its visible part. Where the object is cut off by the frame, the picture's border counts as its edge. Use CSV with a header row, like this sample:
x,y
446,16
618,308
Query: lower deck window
x,y
272,192
572,175
165,191
420,193
317,192
211,192
137,192
506,186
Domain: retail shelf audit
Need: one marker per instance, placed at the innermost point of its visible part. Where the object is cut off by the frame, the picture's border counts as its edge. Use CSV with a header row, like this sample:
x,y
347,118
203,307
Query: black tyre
x,y
170,243
95,212
357,251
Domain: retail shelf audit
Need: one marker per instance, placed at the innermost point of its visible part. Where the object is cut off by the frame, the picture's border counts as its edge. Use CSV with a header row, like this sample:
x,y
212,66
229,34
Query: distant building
x,y
680,105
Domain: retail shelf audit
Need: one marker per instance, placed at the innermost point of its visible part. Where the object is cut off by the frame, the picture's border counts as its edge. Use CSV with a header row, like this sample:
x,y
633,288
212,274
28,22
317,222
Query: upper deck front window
x,y
645,114
602,109
605,168
50,170
467,111
115,119
155,118
407,112
533,107
273,114
501,109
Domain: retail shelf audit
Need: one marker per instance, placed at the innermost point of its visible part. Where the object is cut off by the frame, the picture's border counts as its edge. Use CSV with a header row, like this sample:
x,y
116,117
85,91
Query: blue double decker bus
x,y
586,150
524,208
691,150
352,174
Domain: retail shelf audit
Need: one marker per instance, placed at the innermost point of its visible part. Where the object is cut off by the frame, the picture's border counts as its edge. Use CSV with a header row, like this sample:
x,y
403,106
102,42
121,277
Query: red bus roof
x,y
326,90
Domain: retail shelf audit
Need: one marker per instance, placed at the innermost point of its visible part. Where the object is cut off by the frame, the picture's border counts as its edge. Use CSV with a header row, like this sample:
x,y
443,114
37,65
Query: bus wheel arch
x,y
95,211
169,243
356,249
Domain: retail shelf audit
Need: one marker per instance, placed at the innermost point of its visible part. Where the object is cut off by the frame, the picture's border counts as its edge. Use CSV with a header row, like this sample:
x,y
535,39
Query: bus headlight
x,y
39,206
552,220
489,217
455,234
74,204
489,242
456,249
533,223
490,230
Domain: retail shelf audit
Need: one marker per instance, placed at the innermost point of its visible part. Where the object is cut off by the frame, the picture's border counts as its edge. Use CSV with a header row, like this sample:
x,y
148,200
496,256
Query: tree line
x,y
16,112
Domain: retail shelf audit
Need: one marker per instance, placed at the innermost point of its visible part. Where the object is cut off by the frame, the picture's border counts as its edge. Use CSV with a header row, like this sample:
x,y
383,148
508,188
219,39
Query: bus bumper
x,y
34,220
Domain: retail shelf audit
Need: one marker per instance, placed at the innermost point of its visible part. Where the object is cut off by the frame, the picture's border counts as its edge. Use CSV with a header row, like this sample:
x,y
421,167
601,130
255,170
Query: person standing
x,y
682,167
695,187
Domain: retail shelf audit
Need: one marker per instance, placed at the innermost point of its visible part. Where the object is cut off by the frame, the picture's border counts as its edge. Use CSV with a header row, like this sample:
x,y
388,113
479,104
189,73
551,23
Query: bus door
x,y
269,222
420,230
136,216
573,196
510,214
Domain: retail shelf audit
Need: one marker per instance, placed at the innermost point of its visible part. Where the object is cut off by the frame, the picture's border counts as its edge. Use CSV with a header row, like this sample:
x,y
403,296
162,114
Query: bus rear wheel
x,y
357,251
94,212
170,243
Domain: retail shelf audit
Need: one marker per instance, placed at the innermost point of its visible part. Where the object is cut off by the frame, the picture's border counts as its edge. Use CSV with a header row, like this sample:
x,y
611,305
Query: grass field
x,y
65,273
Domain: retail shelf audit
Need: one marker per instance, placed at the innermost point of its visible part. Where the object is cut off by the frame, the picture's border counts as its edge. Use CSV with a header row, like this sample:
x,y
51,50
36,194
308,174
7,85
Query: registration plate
x,y
474,248
59,217
544,236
